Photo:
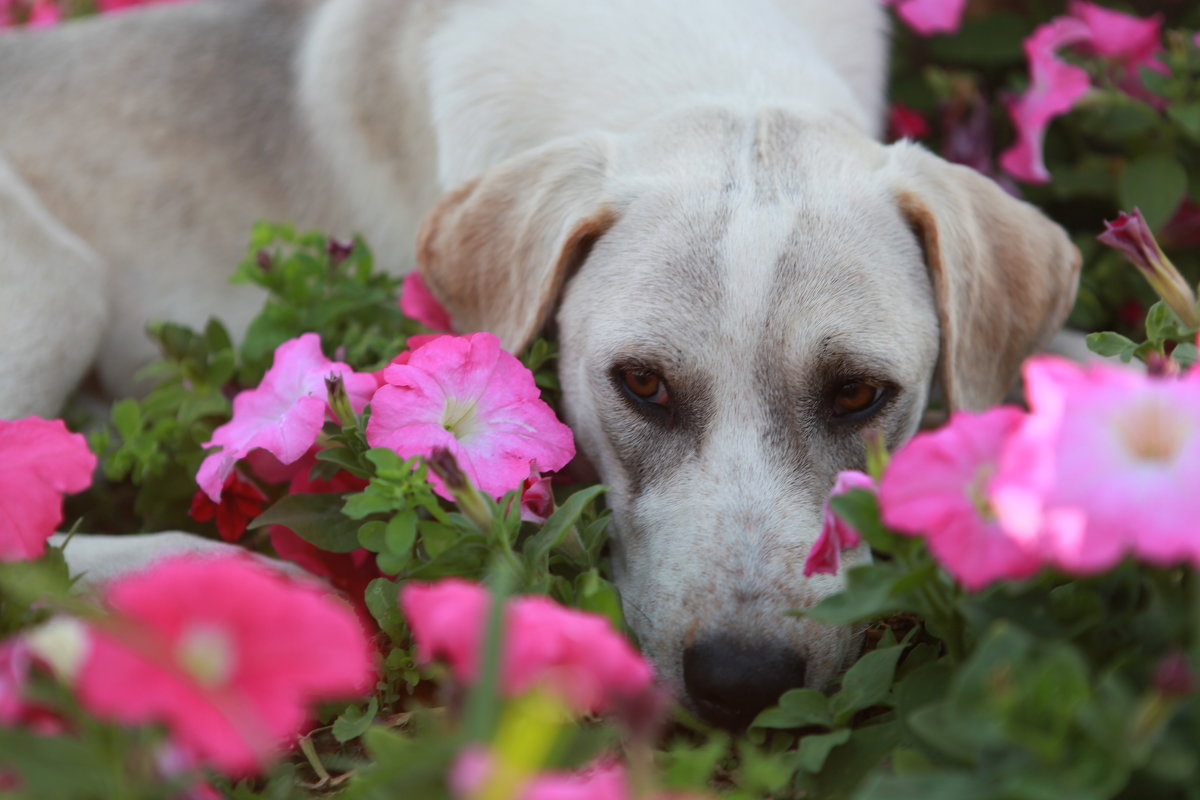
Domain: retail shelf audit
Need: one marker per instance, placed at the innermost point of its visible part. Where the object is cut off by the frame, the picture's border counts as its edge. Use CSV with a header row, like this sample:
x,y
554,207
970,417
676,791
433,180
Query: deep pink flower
x,y
905,123
937,485
1054,86
1131,41
417,302
576,653
927,17
40,460
836,534
284,415
467,395
227,652
1104,466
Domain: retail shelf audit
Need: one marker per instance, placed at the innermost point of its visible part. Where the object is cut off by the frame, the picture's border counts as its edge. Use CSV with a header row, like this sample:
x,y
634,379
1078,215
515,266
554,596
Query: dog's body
x,y
693,184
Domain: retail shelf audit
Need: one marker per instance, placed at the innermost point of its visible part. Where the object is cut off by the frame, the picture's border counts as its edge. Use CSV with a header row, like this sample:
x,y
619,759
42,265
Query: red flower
x,y
905,123
241,501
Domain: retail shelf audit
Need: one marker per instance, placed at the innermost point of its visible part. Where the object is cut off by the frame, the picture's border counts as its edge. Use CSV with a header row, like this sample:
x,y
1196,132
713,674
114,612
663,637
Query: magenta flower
x,y
40,461
227,652
417,302
1054,86
927,17
575,653
1104,466
938,485
905,123
1132,237
284,415
836,534
465,394
1131,41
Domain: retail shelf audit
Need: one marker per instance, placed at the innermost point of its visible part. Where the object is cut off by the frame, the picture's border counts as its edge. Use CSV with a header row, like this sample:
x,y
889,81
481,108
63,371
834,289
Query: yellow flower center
x,y
459,418
1153,431
207,653
977,492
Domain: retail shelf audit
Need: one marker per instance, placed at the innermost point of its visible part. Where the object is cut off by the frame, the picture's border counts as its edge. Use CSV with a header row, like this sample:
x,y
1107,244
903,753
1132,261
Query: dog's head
x,y
739,298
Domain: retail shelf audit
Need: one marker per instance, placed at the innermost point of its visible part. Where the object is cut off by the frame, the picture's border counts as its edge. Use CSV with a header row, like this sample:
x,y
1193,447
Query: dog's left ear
x,y
1004,276
497,250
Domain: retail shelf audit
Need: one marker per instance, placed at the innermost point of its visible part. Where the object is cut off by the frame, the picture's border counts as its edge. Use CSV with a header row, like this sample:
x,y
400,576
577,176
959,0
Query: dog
x,y
691,193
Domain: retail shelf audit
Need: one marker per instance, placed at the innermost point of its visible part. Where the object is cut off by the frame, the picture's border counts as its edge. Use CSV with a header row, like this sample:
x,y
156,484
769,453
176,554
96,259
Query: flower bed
x,y
1034,599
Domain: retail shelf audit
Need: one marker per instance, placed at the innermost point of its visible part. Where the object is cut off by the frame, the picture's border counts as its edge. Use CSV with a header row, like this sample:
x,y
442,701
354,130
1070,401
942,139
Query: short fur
x,y
691,187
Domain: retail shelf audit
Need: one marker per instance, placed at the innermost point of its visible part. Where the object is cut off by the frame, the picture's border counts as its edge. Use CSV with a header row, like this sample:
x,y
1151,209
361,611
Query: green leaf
x,y
560,523
354,721
382,599
1185,353
797,708
370,535
815,748
1110,344
986,41
868,595
401,532
315,518
594,593
867,682
127,418
929,786
860,508
1155,183
1187,117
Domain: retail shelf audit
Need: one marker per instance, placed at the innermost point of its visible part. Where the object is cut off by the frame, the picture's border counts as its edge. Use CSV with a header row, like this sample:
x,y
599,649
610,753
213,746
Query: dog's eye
x,y
855,397
646,386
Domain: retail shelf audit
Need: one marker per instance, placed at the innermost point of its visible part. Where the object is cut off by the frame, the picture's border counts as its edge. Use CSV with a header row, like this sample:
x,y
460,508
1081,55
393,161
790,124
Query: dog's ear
x,y
1004,276
497,250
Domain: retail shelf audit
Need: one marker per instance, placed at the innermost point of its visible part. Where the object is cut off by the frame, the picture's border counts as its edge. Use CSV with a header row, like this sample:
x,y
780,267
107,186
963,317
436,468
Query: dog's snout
x,y
728,681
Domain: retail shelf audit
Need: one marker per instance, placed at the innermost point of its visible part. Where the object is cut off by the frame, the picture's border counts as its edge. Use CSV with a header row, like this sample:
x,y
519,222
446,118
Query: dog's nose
x,y
729,681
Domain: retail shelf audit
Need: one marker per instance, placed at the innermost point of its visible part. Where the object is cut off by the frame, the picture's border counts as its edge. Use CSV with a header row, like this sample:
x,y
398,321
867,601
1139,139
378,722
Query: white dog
x,y
743,278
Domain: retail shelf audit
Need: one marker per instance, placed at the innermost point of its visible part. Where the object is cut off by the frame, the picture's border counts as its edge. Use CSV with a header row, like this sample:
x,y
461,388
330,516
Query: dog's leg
x,y
53,303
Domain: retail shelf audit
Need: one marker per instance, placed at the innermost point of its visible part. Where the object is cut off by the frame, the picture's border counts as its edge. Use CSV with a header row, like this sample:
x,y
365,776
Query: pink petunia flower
x,y
537,497
1127,41
576,653
937,486
284,415
467,395
836,534
1104,466
417,302
927,17
227,652
1054,86
40,460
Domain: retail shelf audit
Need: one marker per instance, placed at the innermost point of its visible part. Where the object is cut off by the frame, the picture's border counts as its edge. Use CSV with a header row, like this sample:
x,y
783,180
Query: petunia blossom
x,y
241,502
1054,87
1104,466
927,17
417,302
836,534
1130,235
937,486
284,414
466,394
575,653
227,652
40,461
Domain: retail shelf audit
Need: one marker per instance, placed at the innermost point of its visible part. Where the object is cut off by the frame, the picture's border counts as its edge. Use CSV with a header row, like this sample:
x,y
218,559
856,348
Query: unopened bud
x,y
339,400
445,466
1174,675
264,261
1131,235
339,250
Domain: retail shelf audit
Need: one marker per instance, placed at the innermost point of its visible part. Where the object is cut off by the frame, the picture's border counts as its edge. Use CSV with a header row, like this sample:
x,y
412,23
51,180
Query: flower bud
x,y
445,466
339,400
1131,235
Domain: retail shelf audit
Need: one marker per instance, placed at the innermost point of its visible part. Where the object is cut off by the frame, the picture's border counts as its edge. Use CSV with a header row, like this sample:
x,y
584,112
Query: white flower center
x,y
459,417
207,653
977,492
1153,431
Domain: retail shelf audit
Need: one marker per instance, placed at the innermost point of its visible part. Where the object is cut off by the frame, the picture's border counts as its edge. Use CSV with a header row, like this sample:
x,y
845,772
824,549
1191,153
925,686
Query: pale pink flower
x,y
927,17
417,302
576,653
227,652
40,461
284,415
604,779
937,486
117,5
467,395
836,534
1104,466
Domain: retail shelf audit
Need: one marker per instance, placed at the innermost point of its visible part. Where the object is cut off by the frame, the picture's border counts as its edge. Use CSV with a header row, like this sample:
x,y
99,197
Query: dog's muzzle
x,y
728,682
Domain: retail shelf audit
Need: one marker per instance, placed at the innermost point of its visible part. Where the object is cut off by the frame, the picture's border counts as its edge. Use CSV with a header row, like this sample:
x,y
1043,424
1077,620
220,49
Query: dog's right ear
x,y
497,250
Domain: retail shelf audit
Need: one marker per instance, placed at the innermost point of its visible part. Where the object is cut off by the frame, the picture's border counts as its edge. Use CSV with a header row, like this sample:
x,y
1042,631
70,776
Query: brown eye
x,y
854,397
646,385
